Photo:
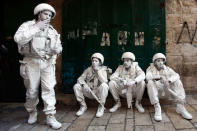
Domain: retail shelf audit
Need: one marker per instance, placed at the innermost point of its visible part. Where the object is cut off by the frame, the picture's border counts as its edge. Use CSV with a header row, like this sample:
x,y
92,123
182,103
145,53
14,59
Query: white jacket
x,y
93,79
134,73
167,72
26,34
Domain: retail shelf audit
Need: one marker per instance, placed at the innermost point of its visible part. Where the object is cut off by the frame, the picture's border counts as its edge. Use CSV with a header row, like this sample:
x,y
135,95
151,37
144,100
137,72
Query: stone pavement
x,y
13,117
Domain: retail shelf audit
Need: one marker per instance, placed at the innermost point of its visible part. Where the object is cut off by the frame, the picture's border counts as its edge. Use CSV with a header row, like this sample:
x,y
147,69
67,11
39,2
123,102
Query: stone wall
x,y
183,56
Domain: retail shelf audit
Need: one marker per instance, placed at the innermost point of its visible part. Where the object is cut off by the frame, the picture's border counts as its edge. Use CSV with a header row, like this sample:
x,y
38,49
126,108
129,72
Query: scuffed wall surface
x,y
182,56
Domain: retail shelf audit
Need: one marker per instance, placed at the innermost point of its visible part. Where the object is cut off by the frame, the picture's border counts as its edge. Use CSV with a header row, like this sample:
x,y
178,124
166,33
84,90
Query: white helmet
x,y
128,55
44,6
99,56
159,55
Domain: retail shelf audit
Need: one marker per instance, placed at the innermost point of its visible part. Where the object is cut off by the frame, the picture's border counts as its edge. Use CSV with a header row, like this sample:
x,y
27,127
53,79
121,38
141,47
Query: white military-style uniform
x,y
164,82
134,73
96,81
36,68
157,90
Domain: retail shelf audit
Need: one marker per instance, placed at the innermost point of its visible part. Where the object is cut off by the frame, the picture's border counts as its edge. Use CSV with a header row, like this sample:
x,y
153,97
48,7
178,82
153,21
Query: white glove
x,y
109,70
42,53
163,79
130,83
42,24
86,88
55,51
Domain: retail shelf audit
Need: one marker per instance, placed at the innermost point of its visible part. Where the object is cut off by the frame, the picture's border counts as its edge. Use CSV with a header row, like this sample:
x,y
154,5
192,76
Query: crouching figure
x,y
93,84
127,81
163,82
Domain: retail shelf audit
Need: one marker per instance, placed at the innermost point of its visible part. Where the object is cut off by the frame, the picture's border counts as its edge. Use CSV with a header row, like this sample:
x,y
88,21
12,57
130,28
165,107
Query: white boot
x,y
32,117
184,113
100,111
82,110
139,107
51,121
157,116
115,107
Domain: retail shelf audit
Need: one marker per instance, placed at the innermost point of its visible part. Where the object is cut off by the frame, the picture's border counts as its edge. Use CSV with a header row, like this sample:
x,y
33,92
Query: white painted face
x,y
127,62
45,15
159,63
95,62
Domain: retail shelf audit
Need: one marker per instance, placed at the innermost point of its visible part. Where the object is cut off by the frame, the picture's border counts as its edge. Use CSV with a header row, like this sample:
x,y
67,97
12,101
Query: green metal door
x,y
110,27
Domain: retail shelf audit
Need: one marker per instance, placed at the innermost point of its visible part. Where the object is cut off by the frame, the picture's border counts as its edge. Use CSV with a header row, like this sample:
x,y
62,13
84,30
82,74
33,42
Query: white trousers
x,y
116,90
36,71
156,90
101,92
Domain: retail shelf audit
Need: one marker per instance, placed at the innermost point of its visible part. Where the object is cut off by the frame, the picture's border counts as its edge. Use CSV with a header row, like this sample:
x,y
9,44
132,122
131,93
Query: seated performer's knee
x,y
112,84
150,83
104,85
141,84
178,83
77,86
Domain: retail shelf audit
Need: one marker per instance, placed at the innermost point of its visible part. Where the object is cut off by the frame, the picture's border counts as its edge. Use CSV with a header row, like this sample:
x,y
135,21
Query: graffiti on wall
x,y
190,35
123,37
139,38
105,41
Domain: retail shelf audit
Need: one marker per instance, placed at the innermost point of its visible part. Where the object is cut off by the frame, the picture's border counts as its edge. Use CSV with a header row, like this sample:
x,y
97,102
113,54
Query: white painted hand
x,y
130,83
42,24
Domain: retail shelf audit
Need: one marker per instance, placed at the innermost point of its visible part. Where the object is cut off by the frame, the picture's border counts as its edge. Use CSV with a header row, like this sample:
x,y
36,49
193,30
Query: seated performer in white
x,y
163,82
127,81
93,84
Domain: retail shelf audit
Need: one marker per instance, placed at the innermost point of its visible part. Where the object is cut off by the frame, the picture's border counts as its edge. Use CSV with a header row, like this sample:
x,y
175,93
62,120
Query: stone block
x,y
164,126
69,117
79,124
173,19
189,18
194,10
117,118
144,128
194,115
23,127
142,118
195,124
192,100
177,120
194,106
173,49
189,3
190,68
115,127
39,128
96,128
175,62
129,113
189,83
129,124
169,35
173,7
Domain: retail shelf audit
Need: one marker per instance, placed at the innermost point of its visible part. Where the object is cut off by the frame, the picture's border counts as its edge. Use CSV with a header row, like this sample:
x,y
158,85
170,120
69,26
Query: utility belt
x,y
35,56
